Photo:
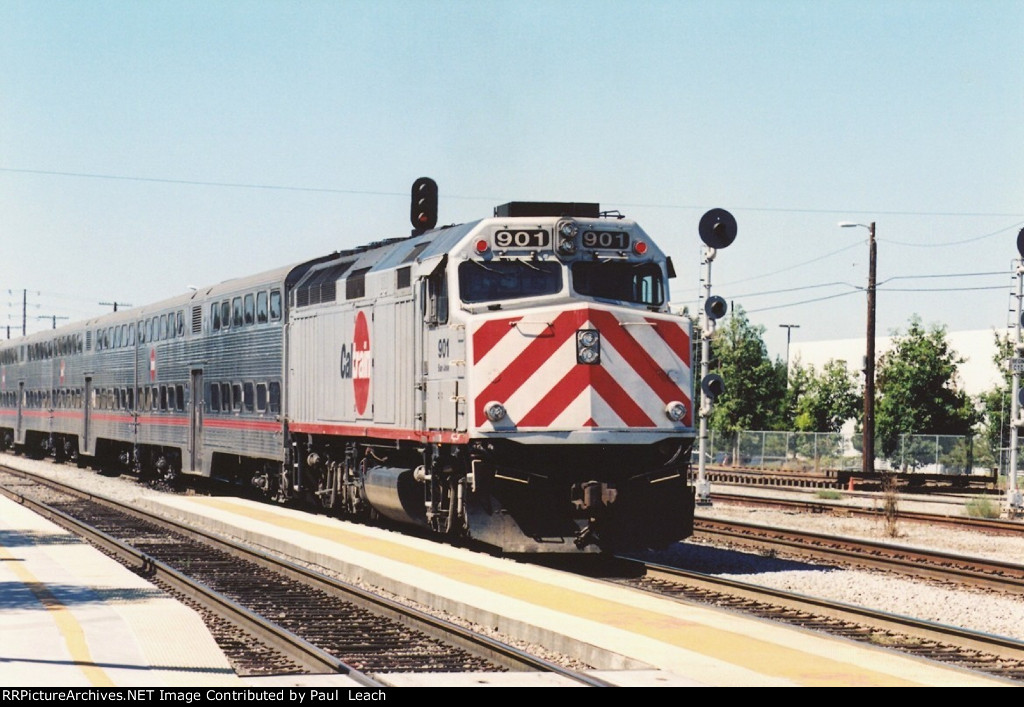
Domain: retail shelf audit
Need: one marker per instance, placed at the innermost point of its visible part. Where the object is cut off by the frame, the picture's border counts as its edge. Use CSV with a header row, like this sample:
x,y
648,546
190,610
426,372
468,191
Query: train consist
x,y
518,380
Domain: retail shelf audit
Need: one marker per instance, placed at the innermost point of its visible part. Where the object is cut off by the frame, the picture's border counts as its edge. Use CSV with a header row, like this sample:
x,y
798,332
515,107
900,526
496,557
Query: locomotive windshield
x,y
507,279
640,283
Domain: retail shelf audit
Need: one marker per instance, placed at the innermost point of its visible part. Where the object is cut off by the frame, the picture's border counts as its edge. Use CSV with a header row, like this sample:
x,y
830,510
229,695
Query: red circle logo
x,y
361,363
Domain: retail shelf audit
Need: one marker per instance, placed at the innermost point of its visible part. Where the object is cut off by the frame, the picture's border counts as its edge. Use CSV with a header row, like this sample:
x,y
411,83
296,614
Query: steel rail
x,y
494,650
304,653
1004,576
1002,647
822,506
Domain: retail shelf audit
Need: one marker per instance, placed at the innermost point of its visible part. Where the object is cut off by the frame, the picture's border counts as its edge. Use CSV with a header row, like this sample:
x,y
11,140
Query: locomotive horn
x,y
717,228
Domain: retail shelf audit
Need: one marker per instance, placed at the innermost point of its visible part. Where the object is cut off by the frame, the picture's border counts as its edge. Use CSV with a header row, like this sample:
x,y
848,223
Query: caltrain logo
x,y
152,364
356,361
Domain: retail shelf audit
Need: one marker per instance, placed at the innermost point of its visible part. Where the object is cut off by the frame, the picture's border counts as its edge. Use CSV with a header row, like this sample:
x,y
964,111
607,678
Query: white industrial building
x,y
977,374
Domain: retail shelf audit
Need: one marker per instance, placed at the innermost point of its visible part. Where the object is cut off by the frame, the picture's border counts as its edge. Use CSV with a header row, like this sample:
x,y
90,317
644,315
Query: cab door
x,y
442,354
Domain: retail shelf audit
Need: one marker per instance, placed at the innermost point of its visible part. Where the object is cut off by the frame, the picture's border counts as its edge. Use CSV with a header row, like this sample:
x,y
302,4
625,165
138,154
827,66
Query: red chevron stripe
x,y
527,362
652,373
490,333
675,336
620,401
557,399
575,382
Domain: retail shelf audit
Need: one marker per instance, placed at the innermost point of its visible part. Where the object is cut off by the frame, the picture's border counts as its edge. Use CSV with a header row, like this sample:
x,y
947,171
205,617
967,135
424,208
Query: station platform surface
x,y
72,617
629,637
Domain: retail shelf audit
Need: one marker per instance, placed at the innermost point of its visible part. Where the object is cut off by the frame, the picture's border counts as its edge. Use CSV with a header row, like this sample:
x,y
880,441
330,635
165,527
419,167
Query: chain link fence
x,y
820,451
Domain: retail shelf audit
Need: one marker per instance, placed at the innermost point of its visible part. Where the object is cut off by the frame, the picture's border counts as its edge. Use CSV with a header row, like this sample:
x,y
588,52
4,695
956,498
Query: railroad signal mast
x,y
717,229
1014,506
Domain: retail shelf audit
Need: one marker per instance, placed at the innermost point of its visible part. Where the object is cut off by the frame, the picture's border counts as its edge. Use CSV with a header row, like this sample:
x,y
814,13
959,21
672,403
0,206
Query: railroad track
x,y
945,567
993,655
990,525
303,621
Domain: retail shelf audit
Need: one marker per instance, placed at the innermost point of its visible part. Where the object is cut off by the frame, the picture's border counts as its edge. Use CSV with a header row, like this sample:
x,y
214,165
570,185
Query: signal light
x,y
715,307
423,209
712,386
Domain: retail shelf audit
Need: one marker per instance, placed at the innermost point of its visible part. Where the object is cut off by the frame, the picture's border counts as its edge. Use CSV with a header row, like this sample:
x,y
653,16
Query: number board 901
x,y
536,238
613,240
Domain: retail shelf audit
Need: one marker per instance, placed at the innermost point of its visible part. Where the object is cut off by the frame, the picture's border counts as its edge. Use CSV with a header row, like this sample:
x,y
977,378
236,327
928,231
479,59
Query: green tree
x,y
798,382
917,389
830,400
995,406
755,386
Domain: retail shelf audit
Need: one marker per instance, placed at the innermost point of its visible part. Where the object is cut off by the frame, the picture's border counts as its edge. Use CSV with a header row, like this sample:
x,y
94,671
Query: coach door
x,y
21,407
195,423
87,415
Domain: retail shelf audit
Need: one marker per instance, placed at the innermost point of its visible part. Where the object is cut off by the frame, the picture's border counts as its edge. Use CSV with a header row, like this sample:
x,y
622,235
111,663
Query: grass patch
x,y
828,494
982,508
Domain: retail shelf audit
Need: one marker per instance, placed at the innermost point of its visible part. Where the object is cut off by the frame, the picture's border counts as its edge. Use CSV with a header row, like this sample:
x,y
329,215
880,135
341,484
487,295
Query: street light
x,y
868,466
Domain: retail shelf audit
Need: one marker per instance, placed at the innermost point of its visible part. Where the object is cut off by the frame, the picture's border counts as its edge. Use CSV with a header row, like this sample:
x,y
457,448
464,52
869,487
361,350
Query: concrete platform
x,y
630,637
72,617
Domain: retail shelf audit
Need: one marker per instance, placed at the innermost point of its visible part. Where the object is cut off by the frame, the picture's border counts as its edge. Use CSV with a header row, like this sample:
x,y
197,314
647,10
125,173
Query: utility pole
x,y
789,330
868,454
51,316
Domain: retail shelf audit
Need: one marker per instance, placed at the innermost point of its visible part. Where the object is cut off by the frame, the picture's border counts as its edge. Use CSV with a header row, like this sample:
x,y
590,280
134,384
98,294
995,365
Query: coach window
x,y
261,397
275,305
214,397
215,316
274,394
181,323
149,329
250,309
261,307
180,390
225,314
236,309
247,396
163,327
172,400
236,397
225,397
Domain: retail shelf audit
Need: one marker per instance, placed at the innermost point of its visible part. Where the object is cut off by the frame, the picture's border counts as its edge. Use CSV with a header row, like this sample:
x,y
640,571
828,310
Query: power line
x,y
363,192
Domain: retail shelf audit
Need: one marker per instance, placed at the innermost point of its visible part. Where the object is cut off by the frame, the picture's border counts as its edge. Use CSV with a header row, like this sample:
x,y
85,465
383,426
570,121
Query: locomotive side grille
x,y
197,319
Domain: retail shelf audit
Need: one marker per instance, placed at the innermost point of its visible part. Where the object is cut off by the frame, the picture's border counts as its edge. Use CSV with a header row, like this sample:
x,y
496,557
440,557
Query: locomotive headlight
x,y
495,411
588,346
567,232
675,411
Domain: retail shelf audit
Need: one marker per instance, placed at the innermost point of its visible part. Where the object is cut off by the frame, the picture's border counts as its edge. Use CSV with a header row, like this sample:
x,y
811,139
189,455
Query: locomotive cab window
x,y
639,283
508,279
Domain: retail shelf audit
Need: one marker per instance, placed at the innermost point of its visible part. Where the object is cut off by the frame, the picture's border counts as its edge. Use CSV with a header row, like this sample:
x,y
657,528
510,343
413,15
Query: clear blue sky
x,y
226,138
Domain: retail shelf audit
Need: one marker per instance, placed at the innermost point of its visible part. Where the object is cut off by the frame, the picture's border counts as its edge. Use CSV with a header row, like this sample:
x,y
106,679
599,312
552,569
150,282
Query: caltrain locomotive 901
x,y
518,380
